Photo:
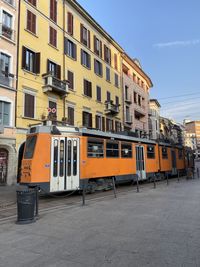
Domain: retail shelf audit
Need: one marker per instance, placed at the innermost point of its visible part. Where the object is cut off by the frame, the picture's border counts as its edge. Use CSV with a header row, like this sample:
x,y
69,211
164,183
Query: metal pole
x,y
178,176
83,194
197,172
114,187
167,179
36,202
154,181
138,190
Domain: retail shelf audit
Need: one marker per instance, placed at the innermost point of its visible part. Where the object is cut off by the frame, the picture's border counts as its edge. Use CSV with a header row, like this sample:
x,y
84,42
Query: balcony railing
x,y
54,84
7,80
7,32
111,108
128,119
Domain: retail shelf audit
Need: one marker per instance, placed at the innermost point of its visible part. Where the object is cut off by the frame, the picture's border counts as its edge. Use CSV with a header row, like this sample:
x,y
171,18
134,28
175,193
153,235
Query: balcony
x,y
53,84
6,80
128,119
111,108
7,32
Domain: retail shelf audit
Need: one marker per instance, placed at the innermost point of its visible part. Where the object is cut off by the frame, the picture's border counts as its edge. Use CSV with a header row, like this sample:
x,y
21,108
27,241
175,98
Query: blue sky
x,y
165,37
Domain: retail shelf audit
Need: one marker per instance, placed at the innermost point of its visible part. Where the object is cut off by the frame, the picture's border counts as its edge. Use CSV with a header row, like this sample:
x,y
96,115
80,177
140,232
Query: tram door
x,y
64,164
174,168
140,164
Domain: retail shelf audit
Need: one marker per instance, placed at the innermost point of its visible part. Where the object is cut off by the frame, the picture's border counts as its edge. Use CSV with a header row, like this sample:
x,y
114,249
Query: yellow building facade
x,y
69,69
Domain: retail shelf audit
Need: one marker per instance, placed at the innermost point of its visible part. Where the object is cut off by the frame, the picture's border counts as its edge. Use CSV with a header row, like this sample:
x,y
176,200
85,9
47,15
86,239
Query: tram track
x,y
9,214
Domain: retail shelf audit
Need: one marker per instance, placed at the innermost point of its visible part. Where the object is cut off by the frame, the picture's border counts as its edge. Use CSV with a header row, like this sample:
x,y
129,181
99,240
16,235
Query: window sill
x,y
30,72
75,59
32,119
99,102
88,68
86,96
7,39
13,6
108,81
32,33
7,87
99,75
53,46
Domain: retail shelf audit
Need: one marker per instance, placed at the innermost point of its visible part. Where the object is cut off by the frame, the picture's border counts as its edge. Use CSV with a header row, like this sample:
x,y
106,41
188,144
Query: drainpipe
x,y
17,62
122,86
64,98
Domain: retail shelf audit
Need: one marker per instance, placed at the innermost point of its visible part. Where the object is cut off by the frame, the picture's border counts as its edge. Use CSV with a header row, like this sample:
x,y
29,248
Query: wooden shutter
x,y
48,64
58,71
105,53
70,23
110,59
51,8
103,124
88,32
97,121
90,88
107,124
115,61
29,106
28,20
112,125
95,65
100,54
81,33
90,120
37,63
74,51
65,45
23,57
71,79
95,47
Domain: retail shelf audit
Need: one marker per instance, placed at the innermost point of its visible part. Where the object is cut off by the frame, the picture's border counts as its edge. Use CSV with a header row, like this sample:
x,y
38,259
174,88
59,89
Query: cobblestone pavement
x,y
156,227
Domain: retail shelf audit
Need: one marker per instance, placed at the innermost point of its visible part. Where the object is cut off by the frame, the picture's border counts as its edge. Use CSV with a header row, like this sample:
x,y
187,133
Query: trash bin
x,y
25,206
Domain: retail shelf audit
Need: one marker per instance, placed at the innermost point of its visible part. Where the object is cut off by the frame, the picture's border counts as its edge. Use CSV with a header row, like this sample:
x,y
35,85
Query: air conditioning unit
x,y
1,129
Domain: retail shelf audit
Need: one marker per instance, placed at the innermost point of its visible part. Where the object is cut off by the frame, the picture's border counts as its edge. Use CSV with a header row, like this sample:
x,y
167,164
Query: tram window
x,y
150,152
180,153
95,148
55,158
126,150
30,147
164,153
112,149
61,158
75,159
69,158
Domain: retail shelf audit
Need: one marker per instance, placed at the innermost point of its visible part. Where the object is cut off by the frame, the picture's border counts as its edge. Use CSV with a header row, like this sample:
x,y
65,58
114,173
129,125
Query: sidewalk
x,y
7,195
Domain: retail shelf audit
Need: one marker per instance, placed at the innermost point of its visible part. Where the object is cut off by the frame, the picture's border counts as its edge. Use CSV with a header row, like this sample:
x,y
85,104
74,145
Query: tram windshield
x,y
30,147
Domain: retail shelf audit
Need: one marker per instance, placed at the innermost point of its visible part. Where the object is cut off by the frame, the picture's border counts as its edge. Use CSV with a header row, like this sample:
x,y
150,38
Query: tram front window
x,y
30,147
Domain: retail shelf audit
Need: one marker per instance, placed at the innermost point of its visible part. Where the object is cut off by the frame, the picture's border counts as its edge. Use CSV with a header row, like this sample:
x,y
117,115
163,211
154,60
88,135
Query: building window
x,y
135,97
70,78
70,111
87,88
126,150
70,23
116,80
70,48
107,74
52,36
97,46
54,69
118,126
5,69
30,60
10,2
87,119
33,2
99,93
109,125
29,105
85,59
95,148
98,122
112,149
31,22
108,96
151,152
139,100
164,153
85,36
5,113
98,67
53,10
53,110
7,25
107,54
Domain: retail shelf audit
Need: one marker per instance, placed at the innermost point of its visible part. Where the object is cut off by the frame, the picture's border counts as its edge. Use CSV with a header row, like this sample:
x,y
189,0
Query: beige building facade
x,y
8,63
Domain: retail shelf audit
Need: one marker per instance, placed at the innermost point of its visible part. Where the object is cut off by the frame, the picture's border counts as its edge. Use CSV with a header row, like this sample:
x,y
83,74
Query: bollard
x,y
154,181
83,195
197,172
114,187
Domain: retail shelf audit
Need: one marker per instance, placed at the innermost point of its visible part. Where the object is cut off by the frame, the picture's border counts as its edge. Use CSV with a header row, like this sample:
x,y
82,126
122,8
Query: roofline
x,y
155,100
126,57
94,23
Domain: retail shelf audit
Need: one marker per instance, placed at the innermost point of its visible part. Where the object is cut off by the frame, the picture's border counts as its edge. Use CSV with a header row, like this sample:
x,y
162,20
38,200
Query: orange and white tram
x,y
61,158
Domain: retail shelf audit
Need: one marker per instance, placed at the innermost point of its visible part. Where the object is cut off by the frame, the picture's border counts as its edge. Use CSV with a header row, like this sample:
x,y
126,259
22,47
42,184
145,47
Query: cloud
x,y
177,43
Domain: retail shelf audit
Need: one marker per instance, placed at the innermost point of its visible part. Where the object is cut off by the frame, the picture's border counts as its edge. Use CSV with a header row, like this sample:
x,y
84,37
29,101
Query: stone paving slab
x,y
156,227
